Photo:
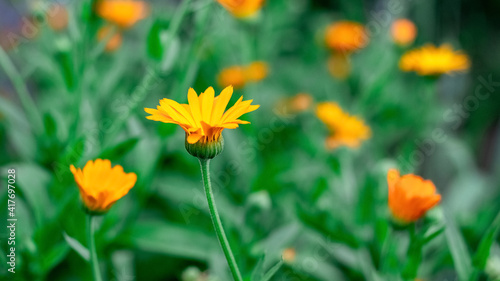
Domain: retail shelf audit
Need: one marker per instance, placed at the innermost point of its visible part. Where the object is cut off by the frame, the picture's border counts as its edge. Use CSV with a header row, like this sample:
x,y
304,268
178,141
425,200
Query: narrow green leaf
x,y
483,251
75,245
458,249
272,271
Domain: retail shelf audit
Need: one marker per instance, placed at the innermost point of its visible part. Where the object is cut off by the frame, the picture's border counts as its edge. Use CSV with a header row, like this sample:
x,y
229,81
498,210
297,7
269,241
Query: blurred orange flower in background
x,y
124,13
293,105
345,130
242,8
102,185
239,76
403,32
57,17
114,42
410,196
346,36
432,60
203,118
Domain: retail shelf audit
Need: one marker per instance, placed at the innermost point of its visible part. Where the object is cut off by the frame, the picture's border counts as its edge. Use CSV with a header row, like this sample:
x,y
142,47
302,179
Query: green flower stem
x,y
205,172
27,102
94,262
414,255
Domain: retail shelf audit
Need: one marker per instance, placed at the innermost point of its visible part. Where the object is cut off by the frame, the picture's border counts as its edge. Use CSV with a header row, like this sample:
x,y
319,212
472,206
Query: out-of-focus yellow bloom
x,y
57,17
239,76
339,65
242,8
124,13
403,32
114,42
346,36
345,130
102,185
432,60
203,118
410,196
289,255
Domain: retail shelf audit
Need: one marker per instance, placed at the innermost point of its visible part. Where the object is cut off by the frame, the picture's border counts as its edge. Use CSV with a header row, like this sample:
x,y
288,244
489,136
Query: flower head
x,y
403,32
124,13
410,196
346,36
102,185
432,60
242,8
204,117
239,76
345,130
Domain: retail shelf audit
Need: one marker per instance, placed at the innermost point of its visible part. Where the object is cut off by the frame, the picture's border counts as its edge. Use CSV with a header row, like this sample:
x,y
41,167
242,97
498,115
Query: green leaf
x,y
172,239
50,125
272,271
119,150
458,249
483,251
155,47
75,245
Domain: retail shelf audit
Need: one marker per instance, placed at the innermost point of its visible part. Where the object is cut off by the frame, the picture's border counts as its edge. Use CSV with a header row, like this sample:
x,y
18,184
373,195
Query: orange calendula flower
x,y
124,13
102,185
345,130
410,196
242,8
346,36
432,60
403,32
204,117
256,71
114,42
234,75
239,76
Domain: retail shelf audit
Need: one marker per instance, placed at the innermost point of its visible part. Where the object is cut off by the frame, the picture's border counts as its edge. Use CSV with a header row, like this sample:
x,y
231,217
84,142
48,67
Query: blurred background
x,y
74,82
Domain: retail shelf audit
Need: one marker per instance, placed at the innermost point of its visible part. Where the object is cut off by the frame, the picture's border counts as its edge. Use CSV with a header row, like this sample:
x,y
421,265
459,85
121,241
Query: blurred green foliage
x,y
64,100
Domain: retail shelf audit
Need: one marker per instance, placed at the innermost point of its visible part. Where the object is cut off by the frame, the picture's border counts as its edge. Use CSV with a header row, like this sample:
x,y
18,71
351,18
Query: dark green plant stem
x,y
205,172
94,262
414,254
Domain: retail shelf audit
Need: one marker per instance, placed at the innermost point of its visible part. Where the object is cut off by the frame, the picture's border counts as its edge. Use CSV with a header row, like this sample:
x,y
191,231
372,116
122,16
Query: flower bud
x,y
204,148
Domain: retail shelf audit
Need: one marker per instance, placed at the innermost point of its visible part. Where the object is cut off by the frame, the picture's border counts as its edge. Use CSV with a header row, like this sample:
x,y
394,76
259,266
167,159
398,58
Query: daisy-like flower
x,y
432,60
242,8
238,76
102,185
346,36
345,130
410,196
203,119
403,32
124,13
